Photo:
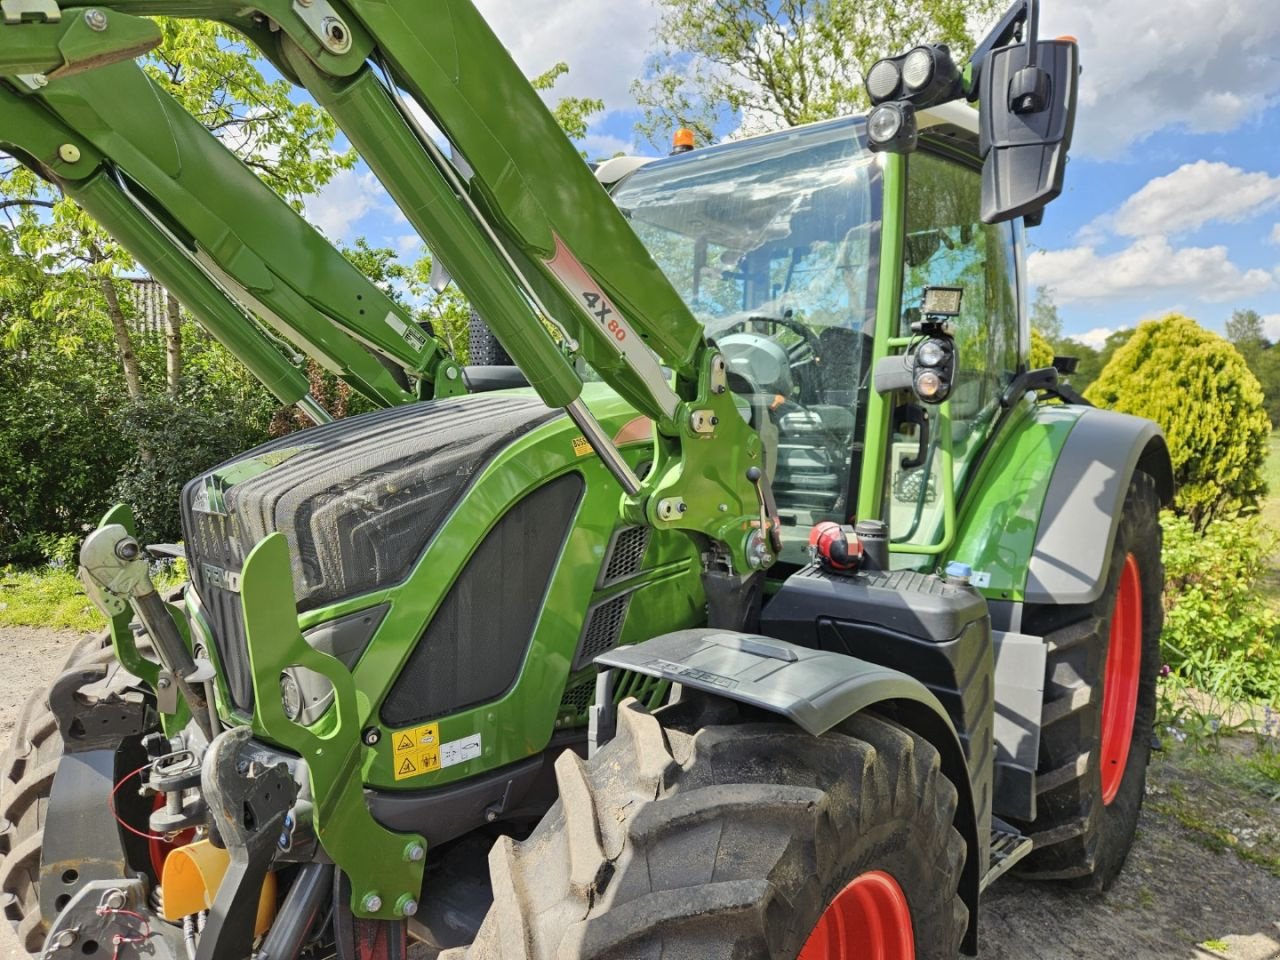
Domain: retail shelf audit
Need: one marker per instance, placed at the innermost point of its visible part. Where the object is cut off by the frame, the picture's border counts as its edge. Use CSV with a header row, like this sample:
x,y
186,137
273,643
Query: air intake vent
x,y
603,629
577,699
626,555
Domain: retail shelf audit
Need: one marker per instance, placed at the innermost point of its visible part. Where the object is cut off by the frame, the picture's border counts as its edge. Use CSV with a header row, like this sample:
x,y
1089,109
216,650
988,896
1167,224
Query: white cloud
x,y
602,146
1094,338
604,43
407,244
1193,195
1149,265
343,201
1205,66
1271,326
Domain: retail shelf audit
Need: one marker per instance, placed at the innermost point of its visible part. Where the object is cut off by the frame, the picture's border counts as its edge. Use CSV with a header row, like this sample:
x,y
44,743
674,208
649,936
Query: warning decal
x,y
419,750
581,448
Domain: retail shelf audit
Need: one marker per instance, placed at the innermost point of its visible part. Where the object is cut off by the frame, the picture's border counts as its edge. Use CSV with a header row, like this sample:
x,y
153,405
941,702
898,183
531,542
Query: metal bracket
x,y
603,716
92,723
249,804
15,11
106,910
323,21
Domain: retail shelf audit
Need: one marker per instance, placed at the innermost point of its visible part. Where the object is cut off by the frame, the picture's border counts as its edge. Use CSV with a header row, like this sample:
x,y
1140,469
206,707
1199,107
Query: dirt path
x,y
1175,893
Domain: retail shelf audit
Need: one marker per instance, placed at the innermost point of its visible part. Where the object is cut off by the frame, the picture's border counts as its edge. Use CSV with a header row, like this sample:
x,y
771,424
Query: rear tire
x,y
1078,835
681,840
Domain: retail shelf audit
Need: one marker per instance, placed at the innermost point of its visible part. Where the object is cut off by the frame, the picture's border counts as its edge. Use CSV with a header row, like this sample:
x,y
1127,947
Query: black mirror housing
x,y
1027,114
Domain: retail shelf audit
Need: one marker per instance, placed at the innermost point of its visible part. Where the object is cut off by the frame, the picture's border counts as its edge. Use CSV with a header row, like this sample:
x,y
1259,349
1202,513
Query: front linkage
x,y
265,808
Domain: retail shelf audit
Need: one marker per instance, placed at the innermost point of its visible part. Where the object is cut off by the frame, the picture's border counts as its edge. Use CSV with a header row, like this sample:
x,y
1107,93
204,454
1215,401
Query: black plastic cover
x,y
1026,153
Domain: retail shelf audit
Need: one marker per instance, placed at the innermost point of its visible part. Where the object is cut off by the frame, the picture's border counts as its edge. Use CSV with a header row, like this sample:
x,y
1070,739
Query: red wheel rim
x,y
1120,682
869,919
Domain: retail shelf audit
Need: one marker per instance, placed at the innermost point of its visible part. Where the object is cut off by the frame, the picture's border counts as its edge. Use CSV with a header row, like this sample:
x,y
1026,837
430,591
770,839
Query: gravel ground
x,y
1177,892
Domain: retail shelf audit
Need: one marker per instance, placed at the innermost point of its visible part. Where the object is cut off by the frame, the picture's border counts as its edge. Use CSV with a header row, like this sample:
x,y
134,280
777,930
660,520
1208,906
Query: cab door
x,y
932,449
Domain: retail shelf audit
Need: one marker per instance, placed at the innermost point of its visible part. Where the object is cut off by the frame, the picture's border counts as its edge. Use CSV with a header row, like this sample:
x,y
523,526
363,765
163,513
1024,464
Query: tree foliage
x,y
1041,351
1217,635
769,64
1197,387
1044,315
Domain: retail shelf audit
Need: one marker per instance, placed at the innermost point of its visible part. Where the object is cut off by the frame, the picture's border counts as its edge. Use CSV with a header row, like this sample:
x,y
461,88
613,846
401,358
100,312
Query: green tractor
x,y
768,606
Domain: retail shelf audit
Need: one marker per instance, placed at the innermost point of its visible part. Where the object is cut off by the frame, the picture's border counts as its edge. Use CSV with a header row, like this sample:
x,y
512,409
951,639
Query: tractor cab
x,y
778,246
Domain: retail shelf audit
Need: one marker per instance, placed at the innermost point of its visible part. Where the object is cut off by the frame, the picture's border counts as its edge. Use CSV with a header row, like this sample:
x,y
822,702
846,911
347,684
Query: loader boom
x,y
522,225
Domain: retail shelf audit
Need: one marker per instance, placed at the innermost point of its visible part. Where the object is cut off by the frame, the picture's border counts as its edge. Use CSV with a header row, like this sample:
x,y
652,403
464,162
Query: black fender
x,y
817,690
1082,506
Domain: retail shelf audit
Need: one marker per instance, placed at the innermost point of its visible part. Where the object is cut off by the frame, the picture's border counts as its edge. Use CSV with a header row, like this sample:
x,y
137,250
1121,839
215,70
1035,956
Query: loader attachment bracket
x,y
385,867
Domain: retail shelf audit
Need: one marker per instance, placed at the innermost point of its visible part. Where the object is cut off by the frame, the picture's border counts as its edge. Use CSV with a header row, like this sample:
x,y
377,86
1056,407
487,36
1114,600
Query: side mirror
x,y
1027,114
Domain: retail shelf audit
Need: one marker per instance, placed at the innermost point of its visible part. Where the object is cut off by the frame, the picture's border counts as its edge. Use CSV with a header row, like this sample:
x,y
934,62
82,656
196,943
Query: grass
x,y
52,597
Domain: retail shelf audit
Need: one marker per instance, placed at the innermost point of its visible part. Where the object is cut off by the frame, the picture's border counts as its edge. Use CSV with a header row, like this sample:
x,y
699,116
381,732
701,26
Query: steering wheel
x,y
795,326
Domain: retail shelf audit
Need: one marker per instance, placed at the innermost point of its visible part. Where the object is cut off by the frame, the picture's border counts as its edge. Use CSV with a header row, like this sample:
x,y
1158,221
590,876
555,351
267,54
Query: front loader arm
x,y
531,238
205,207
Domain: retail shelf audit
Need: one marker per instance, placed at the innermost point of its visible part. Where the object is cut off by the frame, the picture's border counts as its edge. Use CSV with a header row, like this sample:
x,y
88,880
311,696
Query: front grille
x,y
213,553
358,501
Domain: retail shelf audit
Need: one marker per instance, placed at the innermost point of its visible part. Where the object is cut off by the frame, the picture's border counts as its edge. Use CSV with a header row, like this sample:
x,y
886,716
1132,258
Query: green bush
x,y
1199,389
174,442
1041,351
59,460
1218,634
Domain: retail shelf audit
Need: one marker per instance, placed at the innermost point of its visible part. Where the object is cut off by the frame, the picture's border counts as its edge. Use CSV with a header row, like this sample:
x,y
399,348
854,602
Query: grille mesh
x,y
603,629
626,554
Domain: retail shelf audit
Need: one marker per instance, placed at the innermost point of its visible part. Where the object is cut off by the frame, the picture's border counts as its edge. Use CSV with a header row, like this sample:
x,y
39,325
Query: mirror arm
x,y
1002,35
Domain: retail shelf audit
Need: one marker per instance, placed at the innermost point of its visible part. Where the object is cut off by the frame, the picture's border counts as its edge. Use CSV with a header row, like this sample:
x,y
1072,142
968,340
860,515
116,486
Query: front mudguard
x,y
816,690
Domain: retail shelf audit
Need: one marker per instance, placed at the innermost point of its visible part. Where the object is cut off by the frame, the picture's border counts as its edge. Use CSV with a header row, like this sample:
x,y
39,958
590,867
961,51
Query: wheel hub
x,y
1120,681
869,919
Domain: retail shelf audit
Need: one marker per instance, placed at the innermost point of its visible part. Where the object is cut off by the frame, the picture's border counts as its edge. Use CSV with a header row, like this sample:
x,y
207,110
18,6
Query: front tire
x,y
1100,706
739,839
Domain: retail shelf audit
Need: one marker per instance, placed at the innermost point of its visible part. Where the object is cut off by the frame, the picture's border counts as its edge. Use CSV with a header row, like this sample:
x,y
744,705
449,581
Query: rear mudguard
x,y
816,690
1039,518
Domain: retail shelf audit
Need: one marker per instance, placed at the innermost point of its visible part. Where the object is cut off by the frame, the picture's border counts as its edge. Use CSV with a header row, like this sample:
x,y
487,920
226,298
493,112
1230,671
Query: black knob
x,y
754,474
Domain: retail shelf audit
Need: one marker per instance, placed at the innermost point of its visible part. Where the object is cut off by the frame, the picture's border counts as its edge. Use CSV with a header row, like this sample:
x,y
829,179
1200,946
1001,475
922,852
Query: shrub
x,y
1199,389
1218,634
1041,351
175,442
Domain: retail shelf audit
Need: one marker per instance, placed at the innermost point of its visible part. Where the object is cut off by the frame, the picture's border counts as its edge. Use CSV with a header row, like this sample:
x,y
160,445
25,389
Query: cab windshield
x,y
774,245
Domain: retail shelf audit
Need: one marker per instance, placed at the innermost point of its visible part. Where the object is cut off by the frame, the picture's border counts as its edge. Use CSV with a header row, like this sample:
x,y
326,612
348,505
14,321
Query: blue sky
x,y
1172,199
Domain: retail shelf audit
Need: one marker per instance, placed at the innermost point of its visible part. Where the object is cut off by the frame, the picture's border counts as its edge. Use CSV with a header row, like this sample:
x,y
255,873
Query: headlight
x,y
930,387
290,696
931,353
917,69
882,80
885,123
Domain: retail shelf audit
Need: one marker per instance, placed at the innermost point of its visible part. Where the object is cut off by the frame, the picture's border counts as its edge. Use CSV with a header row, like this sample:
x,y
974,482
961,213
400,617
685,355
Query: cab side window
x,y
948,245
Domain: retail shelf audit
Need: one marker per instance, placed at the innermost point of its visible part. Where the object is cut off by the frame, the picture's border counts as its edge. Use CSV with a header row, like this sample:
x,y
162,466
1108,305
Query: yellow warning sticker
x,y
581,448
417,751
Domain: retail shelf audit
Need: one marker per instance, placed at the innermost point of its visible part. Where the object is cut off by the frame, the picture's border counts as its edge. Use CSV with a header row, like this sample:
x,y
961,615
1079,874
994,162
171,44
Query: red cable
x,y
111,805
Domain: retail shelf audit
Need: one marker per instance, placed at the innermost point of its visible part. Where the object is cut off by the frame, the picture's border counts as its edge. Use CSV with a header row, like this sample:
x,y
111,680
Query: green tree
x,y
1244,330
572,113
209,70
1197,387
770,64
1042,353
1044,315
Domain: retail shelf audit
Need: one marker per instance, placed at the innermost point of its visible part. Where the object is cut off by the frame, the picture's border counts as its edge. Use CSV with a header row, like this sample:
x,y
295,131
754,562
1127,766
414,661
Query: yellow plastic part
x,y
190,881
